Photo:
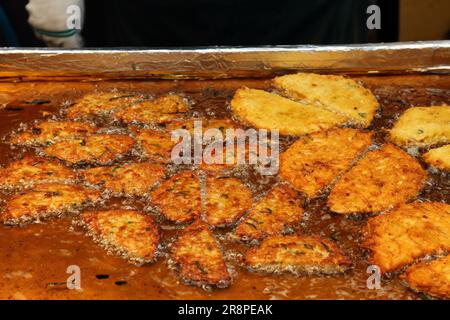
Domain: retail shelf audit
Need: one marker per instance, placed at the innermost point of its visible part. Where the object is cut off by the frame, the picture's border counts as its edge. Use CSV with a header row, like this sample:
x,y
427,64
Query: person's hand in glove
x,y
57,22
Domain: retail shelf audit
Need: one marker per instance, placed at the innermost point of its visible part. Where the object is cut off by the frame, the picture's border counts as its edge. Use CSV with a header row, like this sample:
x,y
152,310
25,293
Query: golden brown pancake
x,y
439,157
33,170
264,110
315,161
178,198
431,278
297,254
198,258
422,126
100,149
276,212
50,132
408,233
47,200
226,200
129,233
158,111
156,145
332,92
101,104
382,179
133,179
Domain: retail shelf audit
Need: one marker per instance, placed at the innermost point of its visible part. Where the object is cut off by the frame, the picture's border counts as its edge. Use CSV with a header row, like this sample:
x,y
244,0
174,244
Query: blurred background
x,y
175,23
424,20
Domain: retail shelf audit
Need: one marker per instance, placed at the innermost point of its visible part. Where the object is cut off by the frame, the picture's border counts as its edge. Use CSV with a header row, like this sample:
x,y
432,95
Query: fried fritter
x,y
133,179
407,233
227,199
206,124
228,160
298,255
278,211
422,126
100,104
266,110
32,170
431,278
314,161
236,154
132,234
97,149
157,145
439,157
161,110
334,93
178,198
198,258
47,200
49,132
382,179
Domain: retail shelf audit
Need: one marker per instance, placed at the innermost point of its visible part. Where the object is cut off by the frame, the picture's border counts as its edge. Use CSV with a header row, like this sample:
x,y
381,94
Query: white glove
x,y
57,22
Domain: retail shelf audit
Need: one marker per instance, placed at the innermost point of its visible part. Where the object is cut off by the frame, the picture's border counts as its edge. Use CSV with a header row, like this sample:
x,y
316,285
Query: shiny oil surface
x,y
34,258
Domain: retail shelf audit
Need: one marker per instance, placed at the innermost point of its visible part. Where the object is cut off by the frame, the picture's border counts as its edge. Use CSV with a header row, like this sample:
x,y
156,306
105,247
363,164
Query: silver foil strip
x,y
225,62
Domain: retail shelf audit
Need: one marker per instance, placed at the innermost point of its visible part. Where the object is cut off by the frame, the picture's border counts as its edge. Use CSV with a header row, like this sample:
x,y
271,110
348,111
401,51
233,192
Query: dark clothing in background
x,y
175,23
18,18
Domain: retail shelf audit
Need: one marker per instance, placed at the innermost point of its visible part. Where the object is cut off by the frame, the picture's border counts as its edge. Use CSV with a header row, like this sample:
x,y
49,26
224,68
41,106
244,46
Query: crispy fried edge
x,y
89,222
439,157
160,101
427,286
71,114
192,230
27,134
342,263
